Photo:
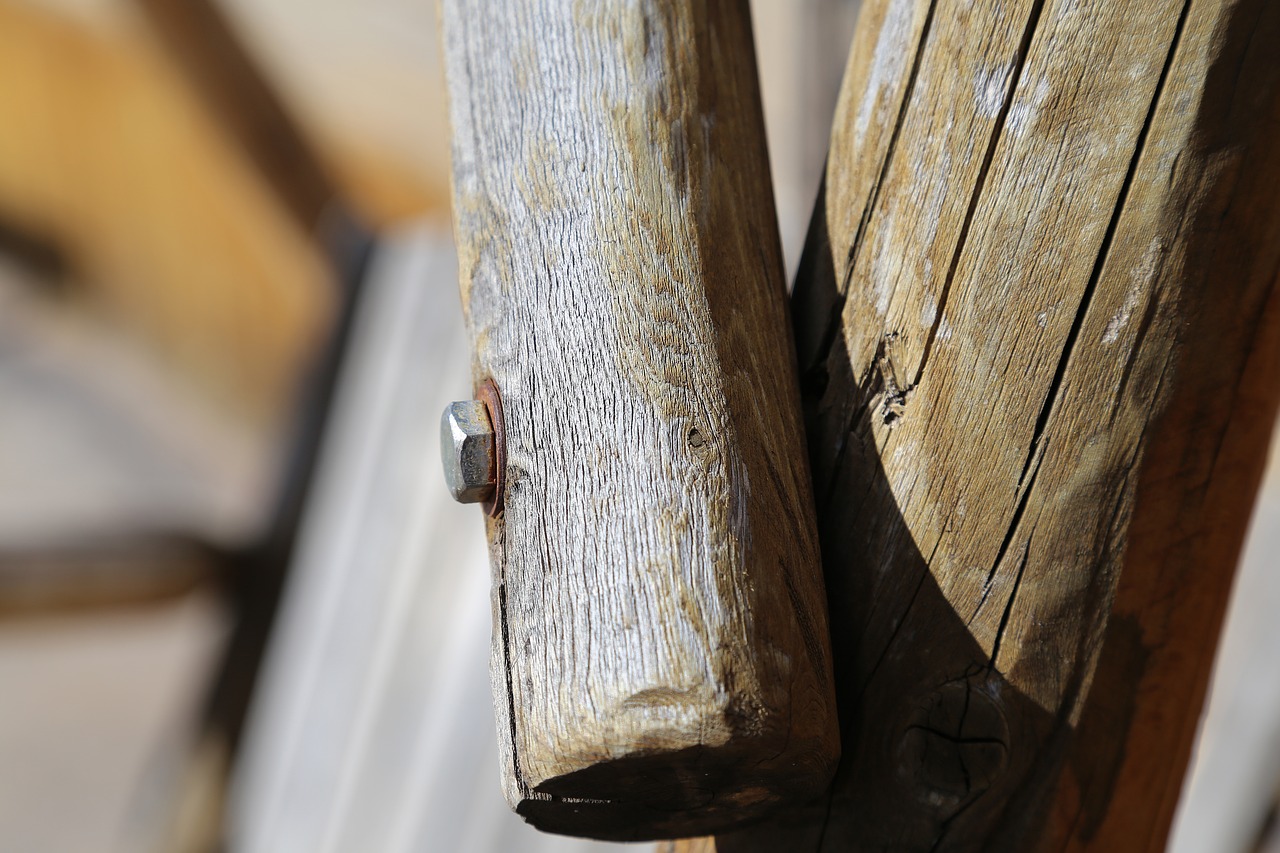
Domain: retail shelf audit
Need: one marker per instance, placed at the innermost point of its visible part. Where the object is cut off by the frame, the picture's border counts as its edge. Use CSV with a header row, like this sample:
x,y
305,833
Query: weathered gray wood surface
x,y
372,730
1039,332
659,647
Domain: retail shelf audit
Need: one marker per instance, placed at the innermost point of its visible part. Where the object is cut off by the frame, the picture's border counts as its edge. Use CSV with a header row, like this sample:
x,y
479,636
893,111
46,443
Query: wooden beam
x,y
204,42
121,571
1039,328
165,227
659,643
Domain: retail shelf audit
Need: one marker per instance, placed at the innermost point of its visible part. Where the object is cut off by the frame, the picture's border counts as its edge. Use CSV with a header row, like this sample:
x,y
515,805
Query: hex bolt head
x,y
467,450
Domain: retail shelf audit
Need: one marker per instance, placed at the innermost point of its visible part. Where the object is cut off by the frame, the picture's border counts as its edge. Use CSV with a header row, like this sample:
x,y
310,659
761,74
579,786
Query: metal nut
x,y
467,451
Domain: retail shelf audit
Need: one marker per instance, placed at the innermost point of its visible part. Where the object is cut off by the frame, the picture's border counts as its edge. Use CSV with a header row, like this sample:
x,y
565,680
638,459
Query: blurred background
x,y
228,323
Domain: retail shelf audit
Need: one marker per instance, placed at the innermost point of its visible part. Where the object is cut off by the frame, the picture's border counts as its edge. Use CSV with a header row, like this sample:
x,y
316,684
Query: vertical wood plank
x,y
1039,330
660,659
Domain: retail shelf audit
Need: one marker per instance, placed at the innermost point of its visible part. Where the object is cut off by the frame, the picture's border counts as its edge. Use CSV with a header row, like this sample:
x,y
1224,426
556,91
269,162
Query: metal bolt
x,y
467,448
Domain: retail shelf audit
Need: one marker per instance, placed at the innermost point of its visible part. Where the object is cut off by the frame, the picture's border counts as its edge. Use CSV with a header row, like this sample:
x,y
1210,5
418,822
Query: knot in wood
x,y
955,744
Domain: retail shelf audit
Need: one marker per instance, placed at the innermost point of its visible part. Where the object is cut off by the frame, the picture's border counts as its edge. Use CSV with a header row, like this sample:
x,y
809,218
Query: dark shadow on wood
x,y
36,252
940,751
929,727
1188,531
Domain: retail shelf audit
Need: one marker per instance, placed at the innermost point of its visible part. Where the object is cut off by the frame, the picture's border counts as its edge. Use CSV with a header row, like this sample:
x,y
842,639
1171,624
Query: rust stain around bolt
x,y
488,394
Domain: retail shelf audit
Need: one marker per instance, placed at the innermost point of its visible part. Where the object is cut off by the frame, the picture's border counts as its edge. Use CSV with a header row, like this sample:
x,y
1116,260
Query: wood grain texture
x,y
1039,334
385,616
660,660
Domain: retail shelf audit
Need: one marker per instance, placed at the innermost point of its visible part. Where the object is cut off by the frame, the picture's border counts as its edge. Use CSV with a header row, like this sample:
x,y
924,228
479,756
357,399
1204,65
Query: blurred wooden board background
x,y
108,154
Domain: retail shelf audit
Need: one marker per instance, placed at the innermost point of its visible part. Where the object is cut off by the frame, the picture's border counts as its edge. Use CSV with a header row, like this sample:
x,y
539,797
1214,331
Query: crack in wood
x,y
1051,398
506,665
1035,448
836,312
1008,606
997,130
869,208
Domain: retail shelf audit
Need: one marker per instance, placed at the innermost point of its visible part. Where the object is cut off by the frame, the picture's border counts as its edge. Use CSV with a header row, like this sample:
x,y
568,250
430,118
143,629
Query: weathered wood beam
x,y
659,644
1039,334
121,571
202,39
163,226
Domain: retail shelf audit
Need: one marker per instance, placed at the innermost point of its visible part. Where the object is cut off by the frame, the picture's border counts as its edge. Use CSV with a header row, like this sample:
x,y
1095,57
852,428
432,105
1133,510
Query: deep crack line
x,y
1031,467
869,209
997,131
1008,607
1104,250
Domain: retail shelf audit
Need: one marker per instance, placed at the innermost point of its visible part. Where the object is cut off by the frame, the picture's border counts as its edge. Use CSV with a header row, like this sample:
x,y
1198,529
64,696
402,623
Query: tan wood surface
x,y
659,648
1039,335
105,154
204,42
109,154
